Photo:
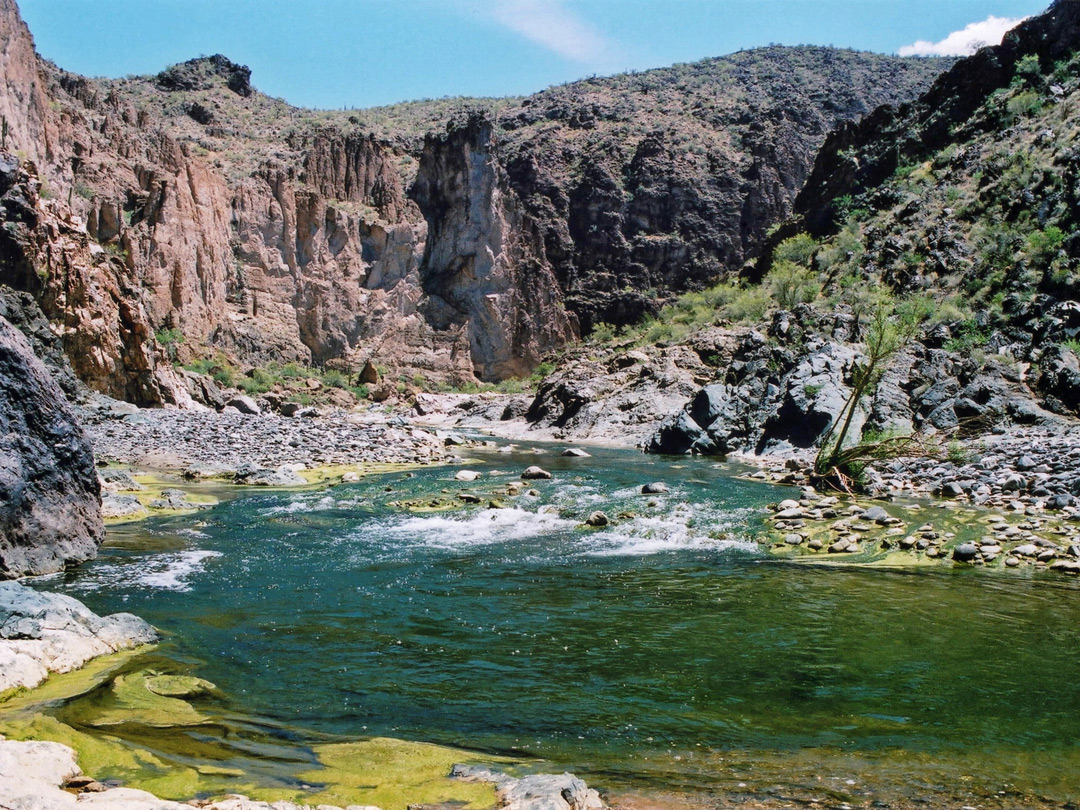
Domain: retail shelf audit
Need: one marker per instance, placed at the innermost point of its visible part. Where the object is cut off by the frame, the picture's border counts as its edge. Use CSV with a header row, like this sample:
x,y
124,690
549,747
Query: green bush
x,y
169,340
790,285
967,336
799,249
1043,246
1028,66
602,333
257,381
333,378
1023,104
749,304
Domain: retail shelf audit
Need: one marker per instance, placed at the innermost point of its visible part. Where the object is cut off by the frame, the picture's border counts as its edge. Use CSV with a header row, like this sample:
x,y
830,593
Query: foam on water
x,y
480,528
166,572
302,503
682,528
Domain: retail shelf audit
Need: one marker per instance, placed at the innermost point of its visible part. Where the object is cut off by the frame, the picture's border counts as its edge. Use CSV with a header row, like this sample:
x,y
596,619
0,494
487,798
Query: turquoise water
x,y
665,651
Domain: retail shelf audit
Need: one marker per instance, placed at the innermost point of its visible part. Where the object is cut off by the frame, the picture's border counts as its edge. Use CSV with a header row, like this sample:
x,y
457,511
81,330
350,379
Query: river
x,y
663,655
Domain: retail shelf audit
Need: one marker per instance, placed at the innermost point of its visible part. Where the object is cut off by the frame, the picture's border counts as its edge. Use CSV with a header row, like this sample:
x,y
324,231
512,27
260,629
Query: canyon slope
x,y
954,217
187,216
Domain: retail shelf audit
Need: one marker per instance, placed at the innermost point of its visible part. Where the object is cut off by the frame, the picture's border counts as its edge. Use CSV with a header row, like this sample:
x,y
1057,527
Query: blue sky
x,y
360,53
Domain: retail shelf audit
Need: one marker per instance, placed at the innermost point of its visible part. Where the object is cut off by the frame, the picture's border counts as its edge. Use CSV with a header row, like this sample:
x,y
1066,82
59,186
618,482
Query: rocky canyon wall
x,y
188,216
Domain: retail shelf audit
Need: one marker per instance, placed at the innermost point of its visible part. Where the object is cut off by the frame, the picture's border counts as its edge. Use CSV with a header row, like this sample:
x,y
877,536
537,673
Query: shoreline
x,y
1019,482
447,442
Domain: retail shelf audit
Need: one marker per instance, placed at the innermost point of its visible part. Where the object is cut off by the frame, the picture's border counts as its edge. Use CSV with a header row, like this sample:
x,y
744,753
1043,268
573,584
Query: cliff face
x,y
484,268
50,509
652,184
188,215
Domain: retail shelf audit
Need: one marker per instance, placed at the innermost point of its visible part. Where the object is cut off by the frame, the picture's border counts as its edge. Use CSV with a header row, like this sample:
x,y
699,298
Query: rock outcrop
x,y
49,493
42,633
483,269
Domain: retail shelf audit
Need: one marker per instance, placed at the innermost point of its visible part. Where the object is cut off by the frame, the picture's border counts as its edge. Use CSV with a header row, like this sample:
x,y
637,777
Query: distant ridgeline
x,y
187,217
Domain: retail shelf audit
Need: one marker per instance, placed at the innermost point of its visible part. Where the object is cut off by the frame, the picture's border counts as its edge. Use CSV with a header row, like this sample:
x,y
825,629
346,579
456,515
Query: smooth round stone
x,y
597,520
965,552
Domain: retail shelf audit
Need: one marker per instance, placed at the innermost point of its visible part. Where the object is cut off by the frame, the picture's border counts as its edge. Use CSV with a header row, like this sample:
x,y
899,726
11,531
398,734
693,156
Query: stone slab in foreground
x,y
49,632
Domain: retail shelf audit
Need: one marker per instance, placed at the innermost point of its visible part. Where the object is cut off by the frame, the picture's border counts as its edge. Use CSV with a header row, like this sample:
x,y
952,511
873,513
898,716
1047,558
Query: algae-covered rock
x,y
179,686
129,699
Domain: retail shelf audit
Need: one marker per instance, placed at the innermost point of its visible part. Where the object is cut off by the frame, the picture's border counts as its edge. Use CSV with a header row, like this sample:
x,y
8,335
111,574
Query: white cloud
x,y
965,42
551,24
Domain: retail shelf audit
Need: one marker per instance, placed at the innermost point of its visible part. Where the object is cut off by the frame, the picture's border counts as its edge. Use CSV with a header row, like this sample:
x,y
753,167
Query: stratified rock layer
x,y
50,508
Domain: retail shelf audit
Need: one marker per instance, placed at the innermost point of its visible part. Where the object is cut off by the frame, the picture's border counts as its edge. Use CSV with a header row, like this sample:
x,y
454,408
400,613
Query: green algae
x,y
128,699
64,686
134,727
879,546
394,774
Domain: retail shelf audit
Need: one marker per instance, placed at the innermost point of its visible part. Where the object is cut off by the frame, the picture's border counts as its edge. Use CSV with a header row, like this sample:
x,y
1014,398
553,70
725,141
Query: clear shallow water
x,y
661,649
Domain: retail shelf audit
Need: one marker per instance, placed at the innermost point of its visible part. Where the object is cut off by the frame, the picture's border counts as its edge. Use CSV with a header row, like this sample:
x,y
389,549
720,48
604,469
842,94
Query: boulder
x,y
114,505
597,520
202,389
676,435
244,404
535,473
48,632
965,552
253,475
50,497
539,791
1058,380
816,393
655,488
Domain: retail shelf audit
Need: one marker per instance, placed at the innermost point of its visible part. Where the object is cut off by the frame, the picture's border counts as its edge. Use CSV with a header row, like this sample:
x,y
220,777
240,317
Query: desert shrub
x,y
257,381
1023,104
790,285
967,336
799,249
169,340
602,333
333,378
748,304
1043,246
